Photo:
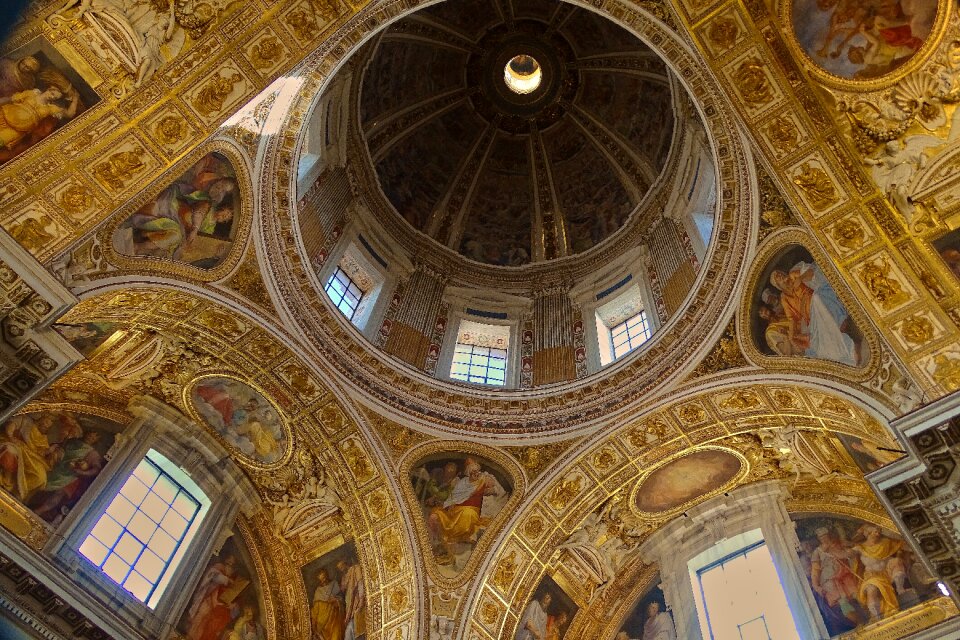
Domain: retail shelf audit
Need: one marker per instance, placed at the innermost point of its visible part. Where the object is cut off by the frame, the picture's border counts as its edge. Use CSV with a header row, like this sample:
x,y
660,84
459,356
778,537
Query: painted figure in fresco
x,y
864,38
457,503
190,221
835,575
209,614
884,572
814,322
533,624
245,627
248,423
36,98
327,612
79,464
557,625
27,454
659,624
23,114
355,599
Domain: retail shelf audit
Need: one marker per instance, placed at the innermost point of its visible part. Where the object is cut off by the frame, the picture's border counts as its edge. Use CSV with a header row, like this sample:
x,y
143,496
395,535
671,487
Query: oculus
x,y
522,74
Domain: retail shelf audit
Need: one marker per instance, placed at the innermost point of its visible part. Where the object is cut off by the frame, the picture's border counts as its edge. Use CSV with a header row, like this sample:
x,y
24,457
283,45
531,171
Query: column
x,y
553,350
413,325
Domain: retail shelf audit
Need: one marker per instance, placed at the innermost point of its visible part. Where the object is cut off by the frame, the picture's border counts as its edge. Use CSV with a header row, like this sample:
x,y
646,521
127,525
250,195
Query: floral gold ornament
x,y
399,599
303,24
119,169
834,406
533,527
816,186
784,399
917,330
604,459
356,460
505,572
392,550
563,493
692,414
723,32
76,199
741,400
489,612
885,289
265,53
752,82
783,133
170,130
849,233
34,232
946,372
211,98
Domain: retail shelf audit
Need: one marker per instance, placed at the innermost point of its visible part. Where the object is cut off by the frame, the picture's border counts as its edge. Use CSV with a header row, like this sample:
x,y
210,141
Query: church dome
x,y
516,136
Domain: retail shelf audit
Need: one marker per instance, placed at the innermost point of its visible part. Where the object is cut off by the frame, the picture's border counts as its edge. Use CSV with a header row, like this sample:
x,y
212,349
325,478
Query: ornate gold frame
x,y
148,265
768,248
242,458
509,465
931,44
662,516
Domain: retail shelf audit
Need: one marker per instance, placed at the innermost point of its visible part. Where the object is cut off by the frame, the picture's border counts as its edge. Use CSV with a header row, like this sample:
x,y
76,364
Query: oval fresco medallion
x,y
862,39
685,479
241,416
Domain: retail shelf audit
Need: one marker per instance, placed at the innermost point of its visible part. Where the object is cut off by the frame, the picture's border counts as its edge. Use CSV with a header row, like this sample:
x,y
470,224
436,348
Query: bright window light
x,y
141,537
344,293
630,334
743,598
482,365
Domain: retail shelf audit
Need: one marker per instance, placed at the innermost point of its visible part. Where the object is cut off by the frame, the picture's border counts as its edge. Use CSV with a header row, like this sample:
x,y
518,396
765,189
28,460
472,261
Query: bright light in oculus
x,y
522,74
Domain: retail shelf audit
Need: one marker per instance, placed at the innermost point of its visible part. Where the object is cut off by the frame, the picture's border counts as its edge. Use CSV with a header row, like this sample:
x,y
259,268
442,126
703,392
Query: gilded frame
x,y
662,516
507,463
240,457
931,44
161,266
774,243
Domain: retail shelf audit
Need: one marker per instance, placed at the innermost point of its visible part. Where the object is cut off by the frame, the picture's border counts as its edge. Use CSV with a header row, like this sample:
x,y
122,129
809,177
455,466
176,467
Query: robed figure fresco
x,y
192,221
649,619
225,604
798,313
859,573
49,459
39,93
242,416
459,495
548,614
338,597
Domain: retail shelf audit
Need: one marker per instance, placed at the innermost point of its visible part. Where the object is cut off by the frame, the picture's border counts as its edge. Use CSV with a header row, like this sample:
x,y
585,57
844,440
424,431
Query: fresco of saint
x,y
862,39
39,93
192,221
459,496
797,312
225,605
859,573
49,459
242,416
548,614
337,593
649,619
